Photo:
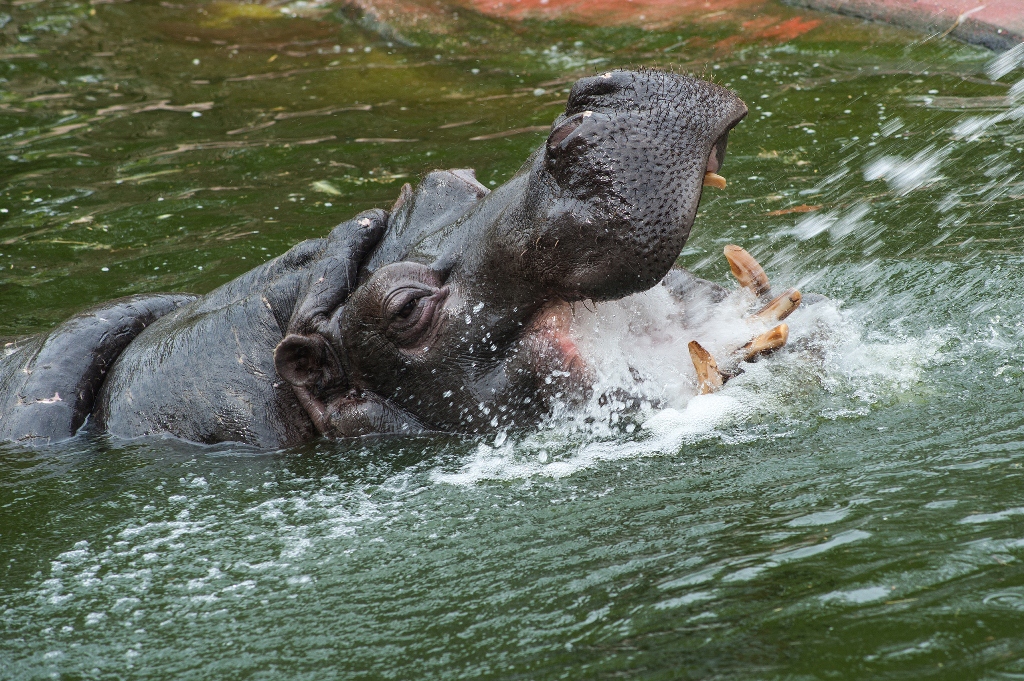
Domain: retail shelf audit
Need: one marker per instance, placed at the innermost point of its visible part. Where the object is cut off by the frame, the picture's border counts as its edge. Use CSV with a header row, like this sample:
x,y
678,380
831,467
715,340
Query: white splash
x,y
838,223
973,128
637,346
906,175
1005,62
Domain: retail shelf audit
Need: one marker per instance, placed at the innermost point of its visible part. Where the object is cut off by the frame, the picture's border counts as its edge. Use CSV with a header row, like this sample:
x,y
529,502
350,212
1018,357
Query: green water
x,y
852,508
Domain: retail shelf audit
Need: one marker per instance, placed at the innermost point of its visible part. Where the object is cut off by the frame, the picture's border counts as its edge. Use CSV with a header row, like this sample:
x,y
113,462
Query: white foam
x,y
857,596
638,345
980,518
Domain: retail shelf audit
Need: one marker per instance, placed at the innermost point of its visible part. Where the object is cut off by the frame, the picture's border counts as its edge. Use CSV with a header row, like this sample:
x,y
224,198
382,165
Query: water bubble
x,y
1011,599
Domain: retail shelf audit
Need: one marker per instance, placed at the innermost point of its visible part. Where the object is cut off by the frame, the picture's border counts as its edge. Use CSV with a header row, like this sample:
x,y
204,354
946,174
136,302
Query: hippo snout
x,y
609,200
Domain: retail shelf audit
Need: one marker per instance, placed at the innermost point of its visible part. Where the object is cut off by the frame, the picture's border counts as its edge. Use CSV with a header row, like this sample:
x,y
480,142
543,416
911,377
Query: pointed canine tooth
x,y
780,308
746,270
714,180
767,342
709,378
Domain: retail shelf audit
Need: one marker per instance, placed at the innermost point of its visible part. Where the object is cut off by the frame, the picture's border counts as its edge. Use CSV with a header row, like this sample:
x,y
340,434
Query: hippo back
x,y
48,385
207,373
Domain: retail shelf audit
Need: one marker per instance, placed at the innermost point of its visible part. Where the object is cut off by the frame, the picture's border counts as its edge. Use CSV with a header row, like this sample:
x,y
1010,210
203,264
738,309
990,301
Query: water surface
x,y
851,507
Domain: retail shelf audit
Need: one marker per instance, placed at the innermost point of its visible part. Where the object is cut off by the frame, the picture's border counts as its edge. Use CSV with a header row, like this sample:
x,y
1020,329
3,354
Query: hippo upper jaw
x,y
610,199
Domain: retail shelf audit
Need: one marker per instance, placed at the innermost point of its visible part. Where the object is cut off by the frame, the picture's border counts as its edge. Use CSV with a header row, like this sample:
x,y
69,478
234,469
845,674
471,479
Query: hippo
x,y
451,312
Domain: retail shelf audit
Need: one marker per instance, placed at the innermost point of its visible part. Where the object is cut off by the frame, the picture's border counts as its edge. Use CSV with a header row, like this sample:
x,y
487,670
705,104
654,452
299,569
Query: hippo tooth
x,y
780,308
709,378
746,270
714,180
767,342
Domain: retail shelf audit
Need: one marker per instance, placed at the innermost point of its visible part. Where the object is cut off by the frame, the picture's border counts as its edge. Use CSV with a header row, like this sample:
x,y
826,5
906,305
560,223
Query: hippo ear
x,y
307,361
403,197
330,280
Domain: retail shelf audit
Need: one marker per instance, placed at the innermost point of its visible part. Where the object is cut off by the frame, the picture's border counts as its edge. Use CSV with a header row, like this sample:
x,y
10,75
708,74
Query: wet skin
x,y
450,312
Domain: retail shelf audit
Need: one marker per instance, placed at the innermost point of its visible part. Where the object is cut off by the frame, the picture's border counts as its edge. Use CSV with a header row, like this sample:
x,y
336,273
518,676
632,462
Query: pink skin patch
x,y
548,342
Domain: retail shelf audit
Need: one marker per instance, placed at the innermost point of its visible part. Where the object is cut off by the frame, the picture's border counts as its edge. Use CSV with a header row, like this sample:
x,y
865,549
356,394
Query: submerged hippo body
x,y
449,313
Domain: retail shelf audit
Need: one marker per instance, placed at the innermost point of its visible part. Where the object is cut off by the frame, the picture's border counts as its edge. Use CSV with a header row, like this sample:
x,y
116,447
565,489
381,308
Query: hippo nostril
x,y
568,126
560,133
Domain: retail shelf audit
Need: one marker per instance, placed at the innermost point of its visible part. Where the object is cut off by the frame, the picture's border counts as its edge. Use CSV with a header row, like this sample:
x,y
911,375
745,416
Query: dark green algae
x,y
857,525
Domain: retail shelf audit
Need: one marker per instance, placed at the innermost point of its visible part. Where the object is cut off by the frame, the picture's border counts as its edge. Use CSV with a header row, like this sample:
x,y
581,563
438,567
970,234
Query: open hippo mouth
x,y
550,330
462,317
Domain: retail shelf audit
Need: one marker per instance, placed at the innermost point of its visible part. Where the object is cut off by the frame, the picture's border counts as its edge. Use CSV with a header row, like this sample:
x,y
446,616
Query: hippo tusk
x,y
714,180
746,270
767,342
780,308
709,378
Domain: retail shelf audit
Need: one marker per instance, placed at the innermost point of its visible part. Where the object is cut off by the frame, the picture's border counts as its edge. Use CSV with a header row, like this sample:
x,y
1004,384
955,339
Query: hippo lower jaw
x,y
567,375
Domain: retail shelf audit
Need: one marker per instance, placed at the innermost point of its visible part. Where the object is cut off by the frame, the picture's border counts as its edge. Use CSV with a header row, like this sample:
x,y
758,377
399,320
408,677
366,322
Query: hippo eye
x,y
408,308
402,302
409,313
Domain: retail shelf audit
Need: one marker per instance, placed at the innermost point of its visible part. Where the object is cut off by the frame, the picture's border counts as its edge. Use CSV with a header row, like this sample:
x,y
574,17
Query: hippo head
x,y
460,317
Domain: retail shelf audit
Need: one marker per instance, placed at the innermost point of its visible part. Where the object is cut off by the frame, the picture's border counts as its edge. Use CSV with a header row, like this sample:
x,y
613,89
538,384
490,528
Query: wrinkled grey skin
x,y
451,313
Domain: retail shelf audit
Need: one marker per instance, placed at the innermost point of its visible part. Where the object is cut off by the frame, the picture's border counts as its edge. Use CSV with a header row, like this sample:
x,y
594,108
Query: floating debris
x,y
325,187
510,133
